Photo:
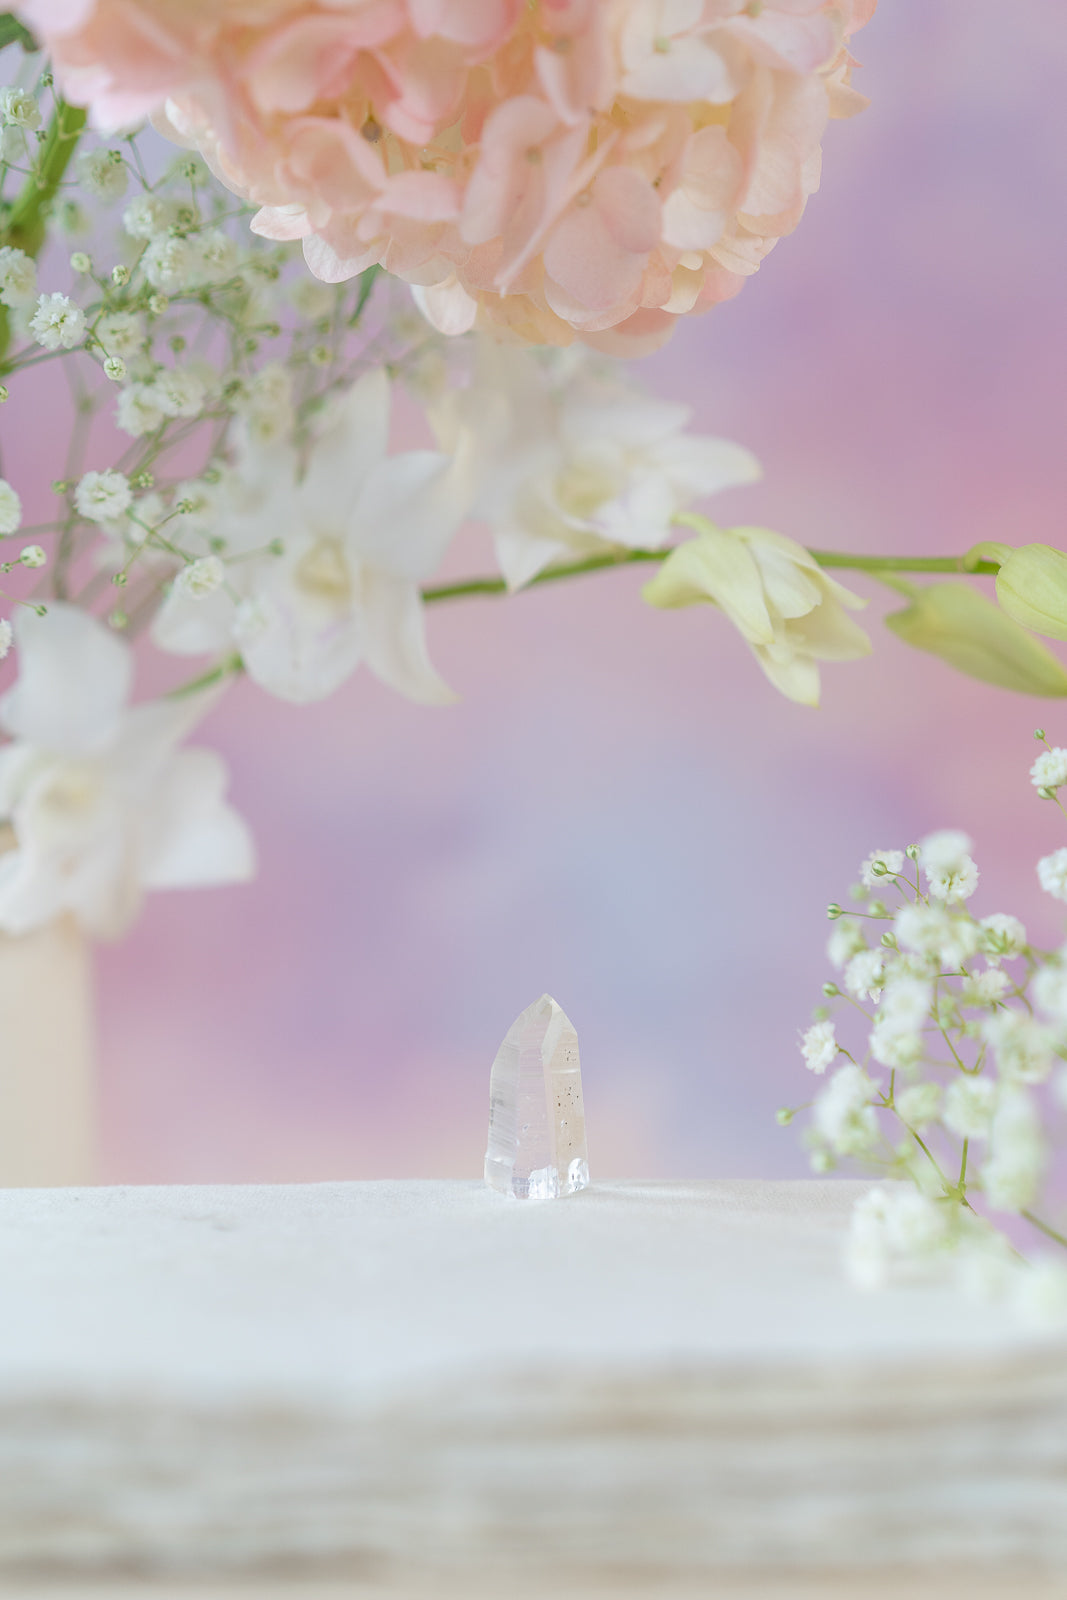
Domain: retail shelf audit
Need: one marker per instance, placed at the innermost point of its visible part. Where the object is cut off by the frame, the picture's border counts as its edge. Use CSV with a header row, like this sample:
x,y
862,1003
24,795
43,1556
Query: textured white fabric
x,y
412,1381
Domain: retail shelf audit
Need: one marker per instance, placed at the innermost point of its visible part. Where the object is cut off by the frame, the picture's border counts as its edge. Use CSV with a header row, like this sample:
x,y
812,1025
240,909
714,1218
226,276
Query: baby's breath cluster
x,y
942,1069
182,327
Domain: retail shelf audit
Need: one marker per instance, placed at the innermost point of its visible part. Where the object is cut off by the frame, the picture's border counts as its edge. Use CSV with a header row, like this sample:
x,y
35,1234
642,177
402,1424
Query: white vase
x,y
48,1093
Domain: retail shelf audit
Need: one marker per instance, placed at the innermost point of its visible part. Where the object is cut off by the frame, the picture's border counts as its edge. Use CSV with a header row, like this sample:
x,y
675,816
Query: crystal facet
x,y
536,1116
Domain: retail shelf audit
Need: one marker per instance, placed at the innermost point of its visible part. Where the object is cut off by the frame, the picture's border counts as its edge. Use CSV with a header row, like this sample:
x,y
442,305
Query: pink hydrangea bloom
x,y
563,168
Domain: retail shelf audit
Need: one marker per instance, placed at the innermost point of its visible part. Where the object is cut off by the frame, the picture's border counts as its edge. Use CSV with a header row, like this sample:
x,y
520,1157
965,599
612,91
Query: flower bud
x,y
1032,588
963,628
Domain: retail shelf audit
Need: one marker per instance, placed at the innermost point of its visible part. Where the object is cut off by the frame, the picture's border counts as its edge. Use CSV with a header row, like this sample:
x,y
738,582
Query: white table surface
x,y
416,1388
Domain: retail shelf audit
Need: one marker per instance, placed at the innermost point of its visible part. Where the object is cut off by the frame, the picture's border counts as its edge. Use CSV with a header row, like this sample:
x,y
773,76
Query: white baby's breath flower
x,y
201,504
10,509
1049,771
892,861
178,392
906,1002
895,1048
103,496
915,1223
984,988
843,1113
33,555
932,932
201,578
72,218
865,974
955,883
121,334
846,940
951,875
1049,990
1012,1175
169,264
944,850
969,1104
115,369
1052,873
312,299
867,1254
19,109
216,256
1023,1047
7,637
146,216
890,1228
103,174
137,412
57,324
919,1104
1002,938
819,1046
18,276
266,404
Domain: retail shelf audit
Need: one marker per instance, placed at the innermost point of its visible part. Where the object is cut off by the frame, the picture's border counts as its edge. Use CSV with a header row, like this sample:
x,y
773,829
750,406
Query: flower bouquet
x,y
243,229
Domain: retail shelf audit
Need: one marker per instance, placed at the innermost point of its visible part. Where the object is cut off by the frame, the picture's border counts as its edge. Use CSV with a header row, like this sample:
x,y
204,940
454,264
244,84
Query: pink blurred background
x,y
622,811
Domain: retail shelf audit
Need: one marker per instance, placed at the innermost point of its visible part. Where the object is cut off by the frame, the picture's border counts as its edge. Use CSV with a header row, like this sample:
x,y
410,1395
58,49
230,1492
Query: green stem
x,y
26,222
473,586
840,559
879,564
1050,1233
227,668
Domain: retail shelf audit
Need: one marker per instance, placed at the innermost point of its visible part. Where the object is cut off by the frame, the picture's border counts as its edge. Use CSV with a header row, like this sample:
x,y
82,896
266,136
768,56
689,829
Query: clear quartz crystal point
x,y
536,1116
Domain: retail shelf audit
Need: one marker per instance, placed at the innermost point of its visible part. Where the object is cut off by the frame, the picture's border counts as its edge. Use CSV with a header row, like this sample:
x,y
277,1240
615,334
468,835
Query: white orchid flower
x,y
359,531
102,803
775,594
572,463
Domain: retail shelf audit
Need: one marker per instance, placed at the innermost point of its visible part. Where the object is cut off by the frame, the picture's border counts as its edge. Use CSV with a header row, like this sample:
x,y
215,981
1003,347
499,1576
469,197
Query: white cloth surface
x,y
356,1290
384,1380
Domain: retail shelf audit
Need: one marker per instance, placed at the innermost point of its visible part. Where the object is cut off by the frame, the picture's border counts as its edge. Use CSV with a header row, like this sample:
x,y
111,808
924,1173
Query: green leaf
x,y
12,31
964,628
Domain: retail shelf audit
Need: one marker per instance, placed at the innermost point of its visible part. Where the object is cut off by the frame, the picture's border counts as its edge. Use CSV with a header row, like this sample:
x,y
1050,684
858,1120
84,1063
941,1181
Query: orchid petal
x,y
396,640
352,443
193,838
74,681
